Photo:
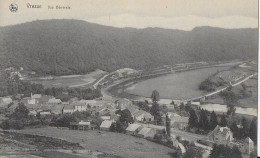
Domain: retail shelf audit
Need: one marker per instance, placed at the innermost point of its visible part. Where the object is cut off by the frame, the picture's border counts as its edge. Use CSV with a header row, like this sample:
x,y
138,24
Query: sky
x,y
170,14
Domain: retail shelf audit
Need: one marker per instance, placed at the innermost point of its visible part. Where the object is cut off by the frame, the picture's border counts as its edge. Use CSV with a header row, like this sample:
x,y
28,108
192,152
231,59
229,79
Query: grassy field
x,y
19,145
250,102
107,142
70,81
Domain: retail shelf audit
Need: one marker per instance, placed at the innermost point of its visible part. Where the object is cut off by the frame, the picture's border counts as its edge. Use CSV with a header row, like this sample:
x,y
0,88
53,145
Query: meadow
x,y
112,143
70,81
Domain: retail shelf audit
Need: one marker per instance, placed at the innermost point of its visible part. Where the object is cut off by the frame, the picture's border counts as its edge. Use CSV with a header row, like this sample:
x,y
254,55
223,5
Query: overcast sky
x,y
173,14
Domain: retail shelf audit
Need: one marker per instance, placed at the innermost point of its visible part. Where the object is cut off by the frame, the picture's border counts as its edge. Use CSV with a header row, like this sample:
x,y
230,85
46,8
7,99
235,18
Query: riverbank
x,y
174,85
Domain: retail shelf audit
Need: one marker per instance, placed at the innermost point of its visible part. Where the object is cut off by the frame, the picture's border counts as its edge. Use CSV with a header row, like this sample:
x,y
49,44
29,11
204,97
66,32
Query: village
x,y
166,124
184,126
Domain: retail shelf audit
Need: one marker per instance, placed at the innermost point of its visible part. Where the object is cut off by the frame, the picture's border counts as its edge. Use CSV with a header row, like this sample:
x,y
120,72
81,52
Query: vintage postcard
x,y
128,78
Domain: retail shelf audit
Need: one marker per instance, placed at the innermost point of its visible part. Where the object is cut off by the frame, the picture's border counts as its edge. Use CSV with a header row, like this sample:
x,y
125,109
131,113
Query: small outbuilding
x,y
133,128
147,132
105,125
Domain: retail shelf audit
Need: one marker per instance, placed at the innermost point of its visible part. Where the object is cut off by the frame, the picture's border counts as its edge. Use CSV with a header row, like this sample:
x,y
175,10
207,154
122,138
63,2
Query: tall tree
x,y
253,130
192,152
203,120
155,111
237,132
218,151
193,119
168,125
20,111
225,151
245,127
235,152
230,99
155,96
213,120
126,117
223,121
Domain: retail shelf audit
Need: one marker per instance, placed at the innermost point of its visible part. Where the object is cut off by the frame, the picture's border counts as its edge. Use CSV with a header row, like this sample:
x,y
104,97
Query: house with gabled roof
x,y
68,109
180,122
105,125
106,109
133,128
147,132
36,96
56,109
44,99
221,135
54,101
177,121
80,107
5,100
82,125
246,146
123,103
143,116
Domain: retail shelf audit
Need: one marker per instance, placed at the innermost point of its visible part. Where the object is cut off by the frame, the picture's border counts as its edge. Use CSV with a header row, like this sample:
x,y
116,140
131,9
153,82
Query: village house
x,y
123,104
80,107
177,121
142,116
179,102
113,117
36,96
133,129
82,125
221,135
44,99
33,112
105,109
105,125
105,118
180,123
32,101
32,107
246,146
68,109
56,109
147,132
45,112
54,101
5,100
170,116
91,103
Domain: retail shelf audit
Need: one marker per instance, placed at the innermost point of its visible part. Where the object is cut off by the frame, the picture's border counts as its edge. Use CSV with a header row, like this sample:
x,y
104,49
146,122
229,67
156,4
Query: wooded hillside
x,y
72,46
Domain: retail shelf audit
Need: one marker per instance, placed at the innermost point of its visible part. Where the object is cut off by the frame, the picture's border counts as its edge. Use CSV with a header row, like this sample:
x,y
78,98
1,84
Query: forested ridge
x,y
71,46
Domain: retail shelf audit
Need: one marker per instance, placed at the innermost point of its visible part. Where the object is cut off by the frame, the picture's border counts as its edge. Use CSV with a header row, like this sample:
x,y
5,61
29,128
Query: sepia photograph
x,y
129,78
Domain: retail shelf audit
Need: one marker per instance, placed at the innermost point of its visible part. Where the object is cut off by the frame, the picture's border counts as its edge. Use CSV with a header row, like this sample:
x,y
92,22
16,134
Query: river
x,y
181,85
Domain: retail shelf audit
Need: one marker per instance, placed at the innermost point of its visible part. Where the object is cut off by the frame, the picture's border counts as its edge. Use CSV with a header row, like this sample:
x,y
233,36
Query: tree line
x,y
10,85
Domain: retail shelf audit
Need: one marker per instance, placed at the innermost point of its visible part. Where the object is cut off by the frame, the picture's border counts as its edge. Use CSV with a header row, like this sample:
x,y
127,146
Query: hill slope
x,y
72,46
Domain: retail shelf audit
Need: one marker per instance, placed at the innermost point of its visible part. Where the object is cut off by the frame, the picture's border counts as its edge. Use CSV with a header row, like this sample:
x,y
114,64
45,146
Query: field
x,y
250,102
70,81
107,142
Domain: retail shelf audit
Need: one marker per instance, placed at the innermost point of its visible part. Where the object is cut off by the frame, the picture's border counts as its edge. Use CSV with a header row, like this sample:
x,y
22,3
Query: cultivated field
x,y
250,102
70,81
107,142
